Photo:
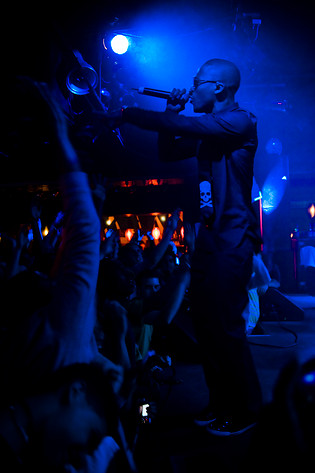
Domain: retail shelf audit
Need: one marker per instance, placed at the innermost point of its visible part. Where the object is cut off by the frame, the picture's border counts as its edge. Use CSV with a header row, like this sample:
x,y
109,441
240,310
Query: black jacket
x,y
224,144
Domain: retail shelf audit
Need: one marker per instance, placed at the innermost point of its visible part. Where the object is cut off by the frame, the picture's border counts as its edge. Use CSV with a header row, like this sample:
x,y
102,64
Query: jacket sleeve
x,y
224,125
179,135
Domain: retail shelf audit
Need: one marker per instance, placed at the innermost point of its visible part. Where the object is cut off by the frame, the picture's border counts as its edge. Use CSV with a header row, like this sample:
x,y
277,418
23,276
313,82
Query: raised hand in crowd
x,y
19,244
110,245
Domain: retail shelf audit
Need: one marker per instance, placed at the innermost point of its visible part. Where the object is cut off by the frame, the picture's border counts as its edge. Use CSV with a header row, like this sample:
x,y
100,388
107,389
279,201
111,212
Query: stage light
x,y
119,44
274,146
309,378
82,79
182,233
156,233
105,94
311,210
273,189
311,214
129,234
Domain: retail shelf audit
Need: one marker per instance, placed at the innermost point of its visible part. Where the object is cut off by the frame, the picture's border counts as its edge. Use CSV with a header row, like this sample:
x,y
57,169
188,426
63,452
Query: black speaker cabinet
x,y
275,306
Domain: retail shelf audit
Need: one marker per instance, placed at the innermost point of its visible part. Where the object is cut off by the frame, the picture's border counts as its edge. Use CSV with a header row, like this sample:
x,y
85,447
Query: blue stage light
x,y
309,378
274,188
119,44
274,146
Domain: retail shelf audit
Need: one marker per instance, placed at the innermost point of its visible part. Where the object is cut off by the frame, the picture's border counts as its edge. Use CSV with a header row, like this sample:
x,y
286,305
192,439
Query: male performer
x,y
224,140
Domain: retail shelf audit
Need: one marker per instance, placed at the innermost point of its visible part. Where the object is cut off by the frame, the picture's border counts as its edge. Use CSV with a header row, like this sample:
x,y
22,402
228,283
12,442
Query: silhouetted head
x,y
217,80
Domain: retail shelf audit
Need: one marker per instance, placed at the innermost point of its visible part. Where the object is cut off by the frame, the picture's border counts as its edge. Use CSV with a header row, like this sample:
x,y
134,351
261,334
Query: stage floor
x,y
172,443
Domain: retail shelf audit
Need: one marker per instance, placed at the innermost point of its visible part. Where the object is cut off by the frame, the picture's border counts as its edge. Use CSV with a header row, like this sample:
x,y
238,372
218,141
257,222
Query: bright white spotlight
x,y
119,44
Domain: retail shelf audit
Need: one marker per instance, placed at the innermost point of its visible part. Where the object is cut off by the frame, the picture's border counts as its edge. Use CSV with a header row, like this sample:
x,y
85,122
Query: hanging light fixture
x,y
128,234
83,78
311,211
156,233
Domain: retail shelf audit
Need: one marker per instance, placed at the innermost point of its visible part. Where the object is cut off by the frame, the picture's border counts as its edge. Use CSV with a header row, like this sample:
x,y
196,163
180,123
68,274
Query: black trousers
x,y
218,298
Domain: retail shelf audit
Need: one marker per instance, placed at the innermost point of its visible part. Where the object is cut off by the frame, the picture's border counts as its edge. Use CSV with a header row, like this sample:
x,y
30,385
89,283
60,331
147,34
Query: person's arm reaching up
x,y
77,260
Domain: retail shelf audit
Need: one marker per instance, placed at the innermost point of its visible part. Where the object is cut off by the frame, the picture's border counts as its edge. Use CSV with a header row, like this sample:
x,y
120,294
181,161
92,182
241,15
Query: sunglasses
x,y
198,82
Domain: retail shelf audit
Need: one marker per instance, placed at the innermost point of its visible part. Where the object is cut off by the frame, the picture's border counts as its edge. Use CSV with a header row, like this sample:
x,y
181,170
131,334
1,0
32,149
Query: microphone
x,y
161,94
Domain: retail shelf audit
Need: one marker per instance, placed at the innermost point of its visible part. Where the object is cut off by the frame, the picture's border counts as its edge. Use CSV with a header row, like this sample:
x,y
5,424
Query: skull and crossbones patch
x,y
205,194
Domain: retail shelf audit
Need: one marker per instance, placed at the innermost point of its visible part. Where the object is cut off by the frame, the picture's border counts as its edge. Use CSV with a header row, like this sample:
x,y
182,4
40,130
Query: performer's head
x,y
216,81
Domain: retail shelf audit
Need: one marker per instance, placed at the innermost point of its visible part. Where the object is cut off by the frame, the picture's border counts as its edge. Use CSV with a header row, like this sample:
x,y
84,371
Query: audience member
x,y
138,260
70,414
60,335
157,305
110,245
285,430
167,264
14,250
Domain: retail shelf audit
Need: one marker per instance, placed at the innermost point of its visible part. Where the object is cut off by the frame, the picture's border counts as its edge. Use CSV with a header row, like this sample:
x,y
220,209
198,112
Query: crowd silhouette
x,y
76,329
